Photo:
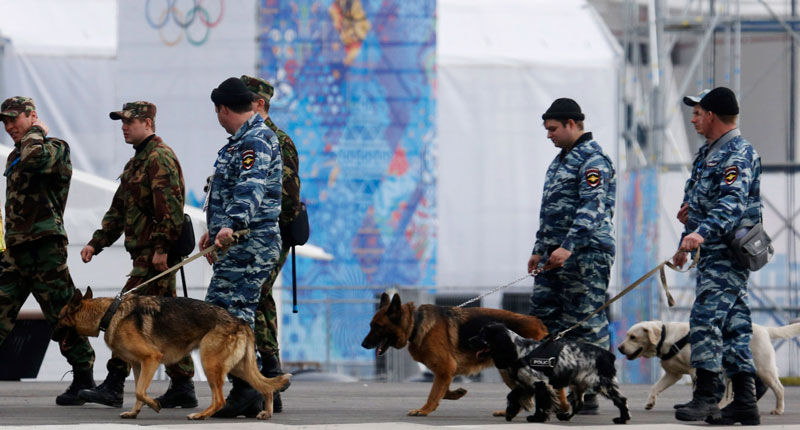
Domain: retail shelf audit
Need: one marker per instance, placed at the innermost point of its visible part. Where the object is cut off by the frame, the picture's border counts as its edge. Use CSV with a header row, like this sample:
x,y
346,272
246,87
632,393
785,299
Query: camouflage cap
x,y
13,106
140,109
258,86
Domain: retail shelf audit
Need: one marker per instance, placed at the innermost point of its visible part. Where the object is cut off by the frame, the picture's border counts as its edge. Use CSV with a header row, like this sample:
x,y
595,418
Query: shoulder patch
x,y
731,173
248,159
593,177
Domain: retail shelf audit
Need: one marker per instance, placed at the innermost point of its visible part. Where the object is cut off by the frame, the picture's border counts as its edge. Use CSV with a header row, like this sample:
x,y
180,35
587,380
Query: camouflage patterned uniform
x,y
724,188
576,212
148,208
266,315
245,193
38,173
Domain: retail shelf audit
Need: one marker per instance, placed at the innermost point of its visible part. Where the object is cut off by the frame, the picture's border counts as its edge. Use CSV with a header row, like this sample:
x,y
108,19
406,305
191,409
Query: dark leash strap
x,y
636,283
294,283
183,281
674,349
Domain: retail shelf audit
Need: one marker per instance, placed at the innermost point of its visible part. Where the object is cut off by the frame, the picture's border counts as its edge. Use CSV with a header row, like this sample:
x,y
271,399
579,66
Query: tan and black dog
x,y
146,331
437,337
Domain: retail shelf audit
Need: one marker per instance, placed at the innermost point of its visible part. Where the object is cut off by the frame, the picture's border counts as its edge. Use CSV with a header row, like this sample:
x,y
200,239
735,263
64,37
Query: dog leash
x,y
106,320
529,275
658,268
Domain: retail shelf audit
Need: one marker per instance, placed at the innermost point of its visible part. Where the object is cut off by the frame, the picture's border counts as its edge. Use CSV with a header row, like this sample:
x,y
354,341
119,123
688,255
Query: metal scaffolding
x,y
657,36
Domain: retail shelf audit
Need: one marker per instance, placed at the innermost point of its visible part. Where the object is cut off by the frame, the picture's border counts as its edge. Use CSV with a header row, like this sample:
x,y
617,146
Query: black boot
x,y
180,394
241,400
81,379
719,391
109,392
590,405
744,407
704,401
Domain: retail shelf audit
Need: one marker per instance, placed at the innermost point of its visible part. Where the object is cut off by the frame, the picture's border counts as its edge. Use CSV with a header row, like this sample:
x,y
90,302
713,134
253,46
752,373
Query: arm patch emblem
x,y
593,177
248,159
731,173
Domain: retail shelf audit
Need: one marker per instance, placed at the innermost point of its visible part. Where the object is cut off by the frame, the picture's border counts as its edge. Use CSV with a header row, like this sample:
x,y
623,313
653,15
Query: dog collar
x,y
417,321
674,349
110,313
661,341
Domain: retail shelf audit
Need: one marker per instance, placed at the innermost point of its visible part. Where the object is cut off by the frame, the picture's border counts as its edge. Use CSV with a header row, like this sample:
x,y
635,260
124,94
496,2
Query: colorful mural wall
x,y
355,84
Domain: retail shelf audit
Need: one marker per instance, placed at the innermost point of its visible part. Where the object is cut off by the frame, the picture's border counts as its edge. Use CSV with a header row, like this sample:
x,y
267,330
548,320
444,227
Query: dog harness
x,y
544,357
674,349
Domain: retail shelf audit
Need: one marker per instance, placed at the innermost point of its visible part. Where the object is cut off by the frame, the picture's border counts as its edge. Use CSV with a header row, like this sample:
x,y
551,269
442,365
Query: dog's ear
x,y
384,300
88,293
653,334
76,298
394,307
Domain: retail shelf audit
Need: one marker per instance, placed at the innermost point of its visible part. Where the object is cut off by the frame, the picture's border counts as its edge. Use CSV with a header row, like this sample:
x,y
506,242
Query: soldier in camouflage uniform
x,y
575,235
722,194
38,174
245,193
148,208
266,314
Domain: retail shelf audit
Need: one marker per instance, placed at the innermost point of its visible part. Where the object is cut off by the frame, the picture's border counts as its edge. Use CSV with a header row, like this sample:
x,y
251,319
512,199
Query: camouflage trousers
x,y
720,325
562,297
40,268
240,273
163,287
266,328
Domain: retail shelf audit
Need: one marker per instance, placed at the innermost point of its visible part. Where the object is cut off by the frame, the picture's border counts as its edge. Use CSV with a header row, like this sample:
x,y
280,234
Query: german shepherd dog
x,y
437,337
577,365
146,331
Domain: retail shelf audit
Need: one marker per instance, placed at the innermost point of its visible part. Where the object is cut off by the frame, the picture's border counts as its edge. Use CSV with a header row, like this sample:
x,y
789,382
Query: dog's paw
x,y
196,416
563,416
128,415
776,412
537,418
417,413
619,420
499,413
455,394
263,415
649,405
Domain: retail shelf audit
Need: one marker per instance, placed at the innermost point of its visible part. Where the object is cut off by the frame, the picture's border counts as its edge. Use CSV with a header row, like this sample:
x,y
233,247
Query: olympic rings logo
x,y
195,17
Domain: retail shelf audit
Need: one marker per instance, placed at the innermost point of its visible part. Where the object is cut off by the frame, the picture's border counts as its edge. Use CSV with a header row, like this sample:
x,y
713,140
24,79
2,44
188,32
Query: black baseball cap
x,y
720,100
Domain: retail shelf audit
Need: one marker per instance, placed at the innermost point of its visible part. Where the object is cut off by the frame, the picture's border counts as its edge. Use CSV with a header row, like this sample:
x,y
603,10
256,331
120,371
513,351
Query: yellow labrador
x,y
643,339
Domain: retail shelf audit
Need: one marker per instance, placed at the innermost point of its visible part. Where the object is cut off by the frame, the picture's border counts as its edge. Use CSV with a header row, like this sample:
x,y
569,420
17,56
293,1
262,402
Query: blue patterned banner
x,y
637,254
355,90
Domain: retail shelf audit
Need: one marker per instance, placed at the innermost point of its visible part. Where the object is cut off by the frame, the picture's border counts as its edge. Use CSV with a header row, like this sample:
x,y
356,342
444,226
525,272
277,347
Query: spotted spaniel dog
x,y
539,372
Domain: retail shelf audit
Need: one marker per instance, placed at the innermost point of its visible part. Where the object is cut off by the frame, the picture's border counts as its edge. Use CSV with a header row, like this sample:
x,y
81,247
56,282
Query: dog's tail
x,y
523,325
249,365
784,332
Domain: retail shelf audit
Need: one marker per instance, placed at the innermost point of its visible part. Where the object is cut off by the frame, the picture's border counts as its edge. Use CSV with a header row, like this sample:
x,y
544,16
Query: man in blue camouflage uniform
x,y
38,173
721,195
245,193
575,235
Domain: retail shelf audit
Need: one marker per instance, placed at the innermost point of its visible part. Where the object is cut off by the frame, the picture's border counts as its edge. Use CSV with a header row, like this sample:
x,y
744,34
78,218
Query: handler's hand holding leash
x,y
679,259
222,243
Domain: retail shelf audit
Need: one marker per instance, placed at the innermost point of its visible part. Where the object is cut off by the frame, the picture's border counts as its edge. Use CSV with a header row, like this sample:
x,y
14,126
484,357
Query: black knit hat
x,y
720,100
231,92
564,108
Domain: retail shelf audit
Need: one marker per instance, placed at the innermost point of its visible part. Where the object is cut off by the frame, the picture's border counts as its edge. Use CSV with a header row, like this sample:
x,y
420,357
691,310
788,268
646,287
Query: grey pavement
x,y
357,405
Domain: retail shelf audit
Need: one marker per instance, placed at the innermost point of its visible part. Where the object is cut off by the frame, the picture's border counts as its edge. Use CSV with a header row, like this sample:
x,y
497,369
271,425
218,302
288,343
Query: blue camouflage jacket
x,y
724,189
245,189
578,202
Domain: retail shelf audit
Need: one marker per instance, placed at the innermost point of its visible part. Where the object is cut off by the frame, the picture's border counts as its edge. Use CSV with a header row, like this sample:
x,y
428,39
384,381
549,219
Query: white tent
x,y
501,64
